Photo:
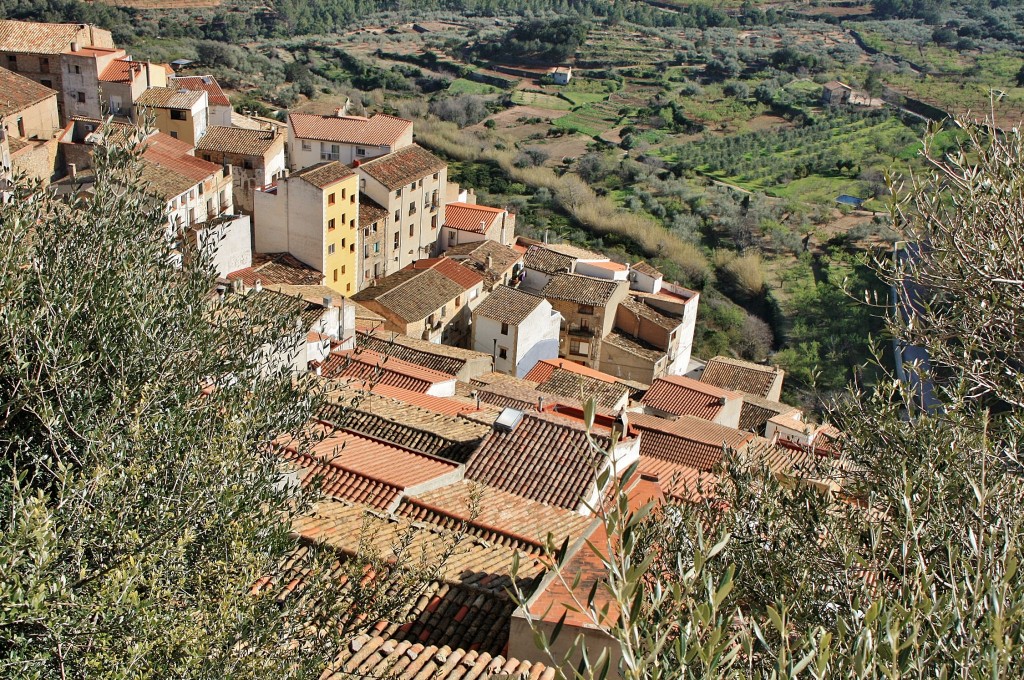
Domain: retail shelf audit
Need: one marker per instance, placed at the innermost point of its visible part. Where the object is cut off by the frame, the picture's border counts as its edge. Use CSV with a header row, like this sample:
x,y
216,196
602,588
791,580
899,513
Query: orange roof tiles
x,y
611,266
687,440
45,38
544,368
170,169
463,276
734,374
443,405
18,92
467,217
371,367
207,84
377,130
336,481
400,168
277,268
122,71
684,396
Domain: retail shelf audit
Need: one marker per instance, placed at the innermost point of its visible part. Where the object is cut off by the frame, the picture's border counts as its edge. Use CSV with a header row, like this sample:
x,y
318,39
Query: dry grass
x,y
598,214
744,272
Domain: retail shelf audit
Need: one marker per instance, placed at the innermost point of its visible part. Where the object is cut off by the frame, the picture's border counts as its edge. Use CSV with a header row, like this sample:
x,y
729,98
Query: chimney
x,y
722,400
259,286
490,262
483,226
540,403
72,170
74,47
328,301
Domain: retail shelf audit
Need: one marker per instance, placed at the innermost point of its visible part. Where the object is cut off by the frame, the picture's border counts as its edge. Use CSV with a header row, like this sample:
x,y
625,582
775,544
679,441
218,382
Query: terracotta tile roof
x,y
370,211
338,482
208,84
464,276
377,130
323,175
544,368
167,98
373,657
400,168
677,481
649,313
379,461
237,140
122,71
474,256
408,426
684,396
509,515
580,387
756,412
18,92
545,459
543,260
687,440
38,38
277,268
575,252
734,374
501,390
446,405
646,269
468,217
374,368
582,290
419,290
424,353
169,168
610,266
508,305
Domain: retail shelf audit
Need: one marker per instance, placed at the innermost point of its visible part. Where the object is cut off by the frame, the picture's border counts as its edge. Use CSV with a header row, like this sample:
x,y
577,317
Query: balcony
x,y
581,332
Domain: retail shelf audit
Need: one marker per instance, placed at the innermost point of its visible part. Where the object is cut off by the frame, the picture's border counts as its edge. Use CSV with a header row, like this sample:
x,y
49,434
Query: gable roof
x,y
168,98
400,168
543,458
475,254
169,168
122,71
207,84
470,217
378,130
277,268
508,305
687,440
680,395
370,211
18,92
646,269
237,140
757,411
371,367
745,376
323,175
424,353
582,290
417,295
465,277
34,37
541,259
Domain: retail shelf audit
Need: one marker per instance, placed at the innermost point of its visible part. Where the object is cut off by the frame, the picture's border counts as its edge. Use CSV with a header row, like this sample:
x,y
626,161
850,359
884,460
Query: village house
x,y
517,328
101,81
314,139
312,214
430,299
464,364
220,109
561,75
499,265
226,240
270,269
677,395
183,114
256,158
34,50
744,376
570,380
588,307
653,335
28,121
544,260
408,184
467,223
367,367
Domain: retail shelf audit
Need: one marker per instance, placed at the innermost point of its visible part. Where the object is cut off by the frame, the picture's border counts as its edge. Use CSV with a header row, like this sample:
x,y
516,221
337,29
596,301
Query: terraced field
x,y
540,100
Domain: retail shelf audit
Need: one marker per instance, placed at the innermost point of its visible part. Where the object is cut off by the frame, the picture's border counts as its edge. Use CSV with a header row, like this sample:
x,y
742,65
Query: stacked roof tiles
x,y
487,258
377,130
237,140
402,167
582,290
20,93
744,376
208,84
680,395
370,367
473,218
277,268
508,305
168,98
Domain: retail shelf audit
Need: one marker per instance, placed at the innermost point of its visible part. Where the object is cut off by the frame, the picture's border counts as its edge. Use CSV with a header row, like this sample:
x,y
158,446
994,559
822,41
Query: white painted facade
x,y
230,242
517,350
290,219
415,216
594,269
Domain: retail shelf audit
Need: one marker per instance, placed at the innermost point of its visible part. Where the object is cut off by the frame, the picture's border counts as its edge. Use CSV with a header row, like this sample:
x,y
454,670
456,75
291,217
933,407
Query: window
x,y
44,64
351,224
452,238
436,175
398,193
504,328
306,145
458,301
342,269
247,164
12,61
376,248
178,114
21,127
433,222
503,352
335,274
444,312
411,230
586,309
360,151
584,324
46,83
343,218
81,97
329,152
330,249
330,199
352,247
344,192
412,208
330,224
207,157
366,251
396,240
343,242
173,134
398,215
348,287
366,274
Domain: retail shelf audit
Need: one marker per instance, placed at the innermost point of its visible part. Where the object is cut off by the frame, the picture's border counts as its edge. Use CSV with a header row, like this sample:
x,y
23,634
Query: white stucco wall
x,y
423,241
231,244
270,216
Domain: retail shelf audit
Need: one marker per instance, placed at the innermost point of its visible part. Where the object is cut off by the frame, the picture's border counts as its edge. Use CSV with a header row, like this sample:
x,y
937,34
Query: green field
x,y
464,86
540,100
588,121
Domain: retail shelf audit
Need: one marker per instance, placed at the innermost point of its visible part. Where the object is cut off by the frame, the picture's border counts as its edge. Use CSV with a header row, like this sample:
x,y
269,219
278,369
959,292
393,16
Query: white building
x,y
228,240
220,106
469,223
518,329
314,139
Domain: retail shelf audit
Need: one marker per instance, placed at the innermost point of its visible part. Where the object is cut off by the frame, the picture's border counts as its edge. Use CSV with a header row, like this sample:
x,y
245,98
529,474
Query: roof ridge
x,y
473,522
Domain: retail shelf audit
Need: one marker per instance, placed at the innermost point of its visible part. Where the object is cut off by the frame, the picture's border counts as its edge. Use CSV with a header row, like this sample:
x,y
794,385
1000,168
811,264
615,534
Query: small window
x,y
246,164
44,64
433,221
306,145
330,199
398,215
81,97
348,287
344,192
330,249
330,224
78,69
344,218
207,157
343,242
12,61
411,230
335,274
504,328
503,353
396,240
458,301
342,269
177,114
586,309
351,224
366,251
360,151
46,83
436,175
412,208
174,135
376,248
352,247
